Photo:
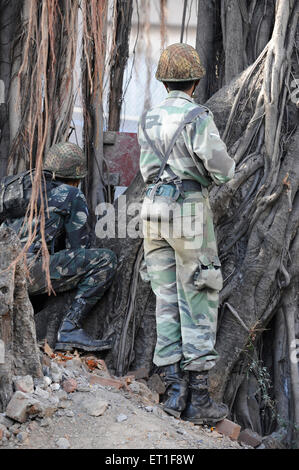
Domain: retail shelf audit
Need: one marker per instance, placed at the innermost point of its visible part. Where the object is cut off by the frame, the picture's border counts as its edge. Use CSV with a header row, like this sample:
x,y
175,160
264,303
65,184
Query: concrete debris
x,y
83,385
23,384
39,392
250,438
15,428
22,437
48,381
43,382
19,405
55,387
63,443
147,395
74,364
149,409
56,372
134,387
7,422
141,373
76,389
120,418
95,407
3,431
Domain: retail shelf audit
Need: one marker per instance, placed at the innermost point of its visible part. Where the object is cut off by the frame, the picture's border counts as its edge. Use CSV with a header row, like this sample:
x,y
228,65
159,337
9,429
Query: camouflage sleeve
x,y
76,227
212,151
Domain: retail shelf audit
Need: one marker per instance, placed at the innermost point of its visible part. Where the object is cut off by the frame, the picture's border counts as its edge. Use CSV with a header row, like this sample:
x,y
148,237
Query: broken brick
x,y
250,438
18,406
69,385
228,428
24,384
141,373
3,431
91,362
105,382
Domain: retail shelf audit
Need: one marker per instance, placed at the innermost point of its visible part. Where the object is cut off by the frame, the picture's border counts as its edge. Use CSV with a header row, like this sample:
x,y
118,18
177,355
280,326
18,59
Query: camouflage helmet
x,y
179,63
66,160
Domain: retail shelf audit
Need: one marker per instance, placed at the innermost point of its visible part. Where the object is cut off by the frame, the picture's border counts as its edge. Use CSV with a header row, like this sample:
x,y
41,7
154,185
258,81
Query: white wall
x,y
141,88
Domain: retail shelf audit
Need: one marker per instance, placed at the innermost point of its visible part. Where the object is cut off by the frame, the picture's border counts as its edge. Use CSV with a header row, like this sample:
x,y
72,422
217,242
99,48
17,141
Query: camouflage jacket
x,y
199,153
65,223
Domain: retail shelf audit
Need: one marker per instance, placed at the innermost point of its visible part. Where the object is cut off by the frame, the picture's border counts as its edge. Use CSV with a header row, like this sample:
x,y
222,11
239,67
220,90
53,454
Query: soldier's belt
x,y
169,189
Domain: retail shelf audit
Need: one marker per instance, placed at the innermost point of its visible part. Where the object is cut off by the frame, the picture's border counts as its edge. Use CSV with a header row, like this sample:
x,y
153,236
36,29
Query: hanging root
x,y
255,212
45,98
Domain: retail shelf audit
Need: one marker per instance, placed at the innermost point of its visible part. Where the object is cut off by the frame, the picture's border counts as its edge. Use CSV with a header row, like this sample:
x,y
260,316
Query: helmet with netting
x,y
66,160
179,63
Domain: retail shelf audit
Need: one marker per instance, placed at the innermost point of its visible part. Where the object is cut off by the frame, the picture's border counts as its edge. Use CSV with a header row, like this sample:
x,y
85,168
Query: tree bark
x,y
17,327
231,34
207,45
233,37
118,59
42,95
93,65
9,21
127,312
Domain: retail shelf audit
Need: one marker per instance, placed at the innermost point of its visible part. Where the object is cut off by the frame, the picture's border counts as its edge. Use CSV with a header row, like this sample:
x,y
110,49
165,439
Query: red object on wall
x,y
122,153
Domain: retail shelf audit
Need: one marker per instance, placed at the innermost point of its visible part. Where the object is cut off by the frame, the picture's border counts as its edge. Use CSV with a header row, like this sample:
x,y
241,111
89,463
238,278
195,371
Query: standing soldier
x,y
181,155
73,264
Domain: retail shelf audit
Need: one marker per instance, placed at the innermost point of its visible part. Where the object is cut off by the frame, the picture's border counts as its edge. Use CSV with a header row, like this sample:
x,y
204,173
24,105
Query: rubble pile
x,y
79,404
35,401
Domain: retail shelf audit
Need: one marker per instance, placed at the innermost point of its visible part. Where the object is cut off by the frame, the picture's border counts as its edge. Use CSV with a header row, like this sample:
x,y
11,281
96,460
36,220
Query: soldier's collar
x,y
180,94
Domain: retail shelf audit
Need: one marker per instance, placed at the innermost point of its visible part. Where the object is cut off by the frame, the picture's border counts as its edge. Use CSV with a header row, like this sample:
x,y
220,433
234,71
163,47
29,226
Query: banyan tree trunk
x,y
94,16
9,20
41,93
118,60
19,351
256,217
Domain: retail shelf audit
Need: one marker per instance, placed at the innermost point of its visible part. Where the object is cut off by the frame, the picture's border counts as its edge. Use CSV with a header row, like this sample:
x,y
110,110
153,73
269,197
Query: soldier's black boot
x,y
71,334
175,397
201,409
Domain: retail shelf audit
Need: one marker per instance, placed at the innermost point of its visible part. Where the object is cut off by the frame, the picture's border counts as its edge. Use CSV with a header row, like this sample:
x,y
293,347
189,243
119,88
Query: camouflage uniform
x,y
73,264
186,315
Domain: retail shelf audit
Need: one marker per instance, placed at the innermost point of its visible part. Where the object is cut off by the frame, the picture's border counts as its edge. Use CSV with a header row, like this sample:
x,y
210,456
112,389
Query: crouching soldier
x,y
181,155
73,264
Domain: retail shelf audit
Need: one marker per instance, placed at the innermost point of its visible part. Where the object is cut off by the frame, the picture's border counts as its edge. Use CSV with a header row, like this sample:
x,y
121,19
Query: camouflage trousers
x,y
89,271
186,313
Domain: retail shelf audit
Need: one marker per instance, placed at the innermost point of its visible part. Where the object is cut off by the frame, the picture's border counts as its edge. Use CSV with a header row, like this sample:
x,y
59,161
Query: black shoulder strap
x,y
193,114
